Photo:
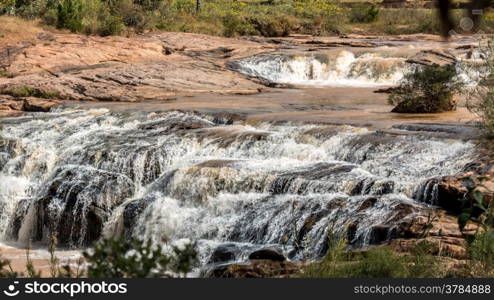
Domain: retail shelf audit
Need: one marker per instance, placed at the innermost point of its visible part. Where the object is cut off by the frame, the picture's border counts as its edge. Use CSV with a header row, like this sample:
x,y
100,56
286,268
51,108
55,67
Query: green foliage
x,y
319,16
481,99
7,7
24,8
481,245
235,24
274,25
136,259
110,25
363,13
481,250
28,91
227,17
378,262
332,263
131,14
115,259
427,89
70,15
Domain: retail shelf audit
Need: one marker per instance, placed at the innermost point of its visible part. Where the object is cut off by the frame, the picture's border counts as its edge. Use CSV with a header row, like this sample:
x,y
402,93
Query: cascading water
x,y
342,68
185,176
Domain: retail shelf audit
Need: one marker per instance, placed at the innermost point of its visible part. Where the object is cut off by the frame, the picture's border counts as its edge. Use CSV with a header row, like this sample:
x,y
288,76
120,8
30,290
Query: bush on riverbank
x,y
481,99
116,258
377,262
363,13
427,89
227,17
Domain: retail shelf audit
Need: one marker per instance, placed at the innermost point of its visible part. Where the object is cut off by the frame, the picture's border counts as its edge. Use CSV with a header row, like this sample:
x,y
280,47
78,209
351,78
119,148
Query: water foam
x,y
85,174
343,68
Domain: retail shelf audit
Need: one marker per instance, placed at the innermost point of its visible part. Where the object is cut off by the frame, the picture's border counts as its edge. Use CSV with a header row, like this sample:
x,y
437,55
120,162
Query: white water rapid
x,y
184,176
342,68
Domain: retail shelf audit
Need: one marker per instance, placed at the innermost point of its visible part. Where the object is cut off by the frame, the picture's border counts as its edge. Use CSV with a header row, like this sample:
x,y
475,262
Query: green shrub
x,y
137,259
481,250
480,246
363,13
427,89
378,262
70,15
50,17
149,4
115,258
109,25
274,25
7,7
235,24
481,98
28,91
318,16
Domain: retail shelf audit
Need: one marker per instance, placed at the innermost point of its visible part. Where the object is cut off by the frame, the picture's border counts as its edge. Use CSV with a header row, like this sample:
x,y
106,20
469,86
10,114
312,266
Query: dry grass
x,y
14,30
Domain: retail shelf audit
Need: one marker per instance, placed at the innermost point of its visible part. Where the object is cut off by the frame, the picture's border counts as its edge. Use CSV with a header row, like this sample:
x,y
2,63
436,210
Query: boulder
x,y
224,253
28,104
257,269
367,203
267,254
433,57
38,105
405,107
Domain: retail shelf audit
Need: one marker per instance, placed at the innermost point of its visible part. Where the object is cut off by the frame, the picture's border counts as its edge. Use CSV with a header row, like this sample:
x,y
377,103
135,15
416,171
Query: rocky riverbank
x,y
156,74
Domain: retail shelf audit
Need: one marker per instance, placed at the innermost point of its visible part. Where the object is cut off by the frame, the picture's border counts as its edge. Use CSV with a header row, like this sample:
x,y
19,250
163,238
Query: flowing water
x,y
180,176
335,68
379,67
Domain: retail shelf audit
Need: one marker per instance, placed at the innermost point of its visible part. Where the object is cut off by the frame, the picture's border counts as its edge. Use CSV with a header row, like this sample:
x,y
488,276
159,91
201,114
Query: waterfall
x,y
179,176
342,68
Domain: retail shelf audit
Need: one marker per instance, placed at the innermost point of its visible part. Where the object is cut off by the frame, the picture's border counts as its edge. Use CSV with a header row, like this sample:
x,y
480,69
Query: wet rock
x,y
357,44
406,107
226,137
227,118
351,232
217,163
267,254
21,210
153,66
76,204
257,269
453,247
367,203
436,227
388,90
309,224
29,104
131,214
454,193
366,145
435,57
32,104
224,253
336,203
372,187
379,234
9,103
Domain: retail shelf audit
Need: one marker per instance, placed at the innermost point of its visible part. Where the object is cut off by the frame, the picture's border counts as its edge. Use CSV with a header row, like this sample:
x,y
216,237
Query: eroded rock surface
x,y
159,66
